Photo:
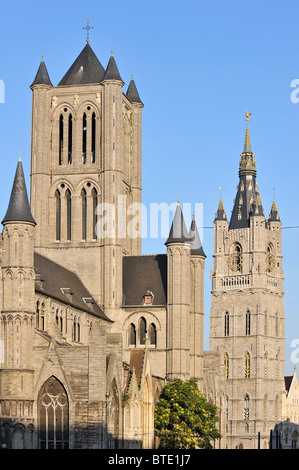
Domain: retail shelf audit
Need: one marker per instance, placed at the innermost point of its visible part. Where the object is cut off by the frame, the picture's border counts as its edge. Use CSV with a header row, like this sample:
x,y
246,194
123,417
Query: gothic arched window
x,y
142,330
269,258
53,416
70,140
132,335
153,334
58,215
84,213
84,138
235,259
60,139
68,215
94,213
93,138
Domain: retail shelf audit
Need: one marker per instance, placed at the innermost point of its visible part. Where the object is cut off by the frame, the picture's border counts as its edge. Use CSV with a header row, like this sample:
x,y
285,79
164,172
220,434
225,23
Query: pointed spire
x,y
112,72
132,92
178,232
274,214
247,158
194,238
220,213
18,208
86,69
42,76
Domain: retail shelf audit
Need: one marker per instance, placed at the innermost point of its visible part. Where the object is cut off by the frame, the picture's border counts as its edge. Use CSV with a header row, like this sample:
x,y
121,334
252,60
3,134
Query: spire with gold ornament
x,y
248,200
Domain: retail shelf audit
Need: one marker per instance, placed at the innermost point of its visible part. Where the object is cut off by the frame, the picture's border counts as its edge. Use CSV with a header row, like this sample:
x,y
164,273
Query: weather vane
x,y
87,27
247,116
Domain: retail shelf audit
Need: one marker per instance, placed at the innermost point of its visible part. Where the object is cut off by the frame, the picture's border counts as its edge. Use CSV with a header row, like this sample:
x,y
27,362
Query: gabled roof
x,y
144,273
85,70
18,208
42,76
132,92
55,280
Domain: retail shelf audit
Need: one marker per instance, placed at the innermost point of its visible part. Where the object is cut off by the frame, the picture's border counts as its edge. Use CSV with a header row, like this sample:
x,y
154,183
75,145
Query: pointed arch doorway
x,y
53,415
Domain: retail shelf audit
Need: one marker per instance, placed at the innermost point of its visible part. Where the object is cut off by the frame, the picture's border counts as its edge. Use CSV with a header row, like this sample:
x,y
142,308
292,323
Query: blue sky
x,y
198,67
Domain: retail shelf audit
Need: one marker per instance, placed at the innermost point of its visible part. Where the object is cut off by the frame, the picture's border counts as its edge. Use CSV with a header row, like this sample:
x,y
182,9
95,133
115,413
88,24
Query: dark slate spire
x,y
274,214
178,232
86,69
42,76
194,238
248,200
132,92
112,72
18,208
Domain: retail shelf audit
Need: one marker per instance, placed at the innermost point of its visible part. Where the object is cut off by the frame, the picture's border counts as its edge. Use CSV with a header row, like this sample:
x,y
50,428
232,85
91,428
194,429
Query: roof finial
x,y
20,157
87,27
178,201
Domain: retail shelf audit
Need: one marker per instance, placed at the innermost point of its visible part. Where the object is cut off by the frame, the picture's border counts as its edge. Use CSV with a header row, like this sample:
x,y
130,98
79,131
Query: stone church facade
x,y
91,330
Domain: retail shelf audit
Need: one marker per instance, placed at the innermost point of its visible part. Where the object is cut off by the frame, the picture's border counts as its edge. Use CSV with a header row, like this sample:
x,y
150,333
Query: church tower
x,y
86,172
247,311
18,306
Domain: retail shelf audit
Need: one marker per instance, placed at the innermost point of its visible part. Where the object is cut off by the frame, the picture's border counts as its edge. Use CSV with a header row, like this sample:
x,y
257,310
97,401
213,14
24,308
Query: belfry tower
x,y
86,171
247,311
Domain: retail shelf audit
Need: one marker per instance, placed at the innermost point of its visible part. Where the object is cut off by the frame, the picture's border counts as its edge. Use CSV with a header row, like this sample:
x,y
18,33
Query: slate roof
x,y
287,381
144,273
194,238
178,232
42,76
132,92
18,208
112,72
55,277
86,69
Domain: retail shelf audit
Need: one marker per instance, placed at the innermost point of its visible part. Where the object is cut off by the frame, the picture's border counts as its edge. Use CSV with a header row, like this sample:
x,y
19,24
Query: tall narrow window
x,y
132,335
153,335
70,140
84,132
94,213
226,365
93,138
68,215
246,407
42,317
226,324
58,215
247,366
247,326
37,315
60,139
84,213
142,330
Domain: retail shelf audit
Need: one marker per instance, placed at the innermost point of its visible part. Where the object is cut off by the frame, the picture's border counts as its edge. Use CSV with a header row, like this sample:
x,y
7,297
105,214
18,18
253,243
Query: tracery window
x,y
94,213
269,258
84,138
68,215
53,411
60,139
235,259
132,335
84,213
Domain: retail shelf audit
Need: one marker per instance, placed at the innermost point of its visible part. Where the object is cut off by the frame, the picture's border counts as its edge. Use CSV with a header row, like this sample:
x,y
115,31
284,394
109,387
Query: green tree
x,y
183,417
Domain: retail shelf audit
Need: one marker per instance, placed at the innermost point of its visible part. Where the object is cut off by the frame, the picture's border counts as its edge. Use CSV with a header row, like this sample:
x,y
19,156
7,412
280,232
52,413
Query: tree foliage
x,y
183,417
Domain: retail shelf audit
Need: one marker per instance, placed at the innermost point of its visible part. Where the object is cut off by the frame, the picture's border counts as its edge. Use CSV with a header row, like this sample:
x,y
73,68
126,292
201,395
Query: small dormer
x,y
148,298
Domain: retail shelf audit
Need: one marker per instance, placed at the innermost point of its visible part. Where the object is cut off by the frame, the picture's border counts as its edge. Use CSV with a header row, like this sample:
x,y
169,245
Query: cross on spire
x,y
87,27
